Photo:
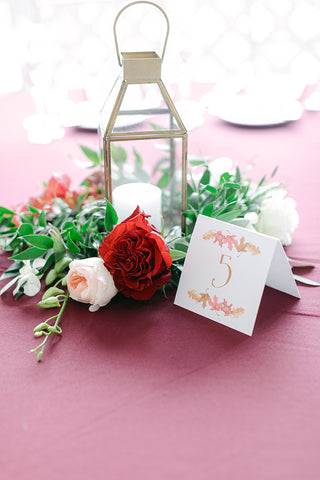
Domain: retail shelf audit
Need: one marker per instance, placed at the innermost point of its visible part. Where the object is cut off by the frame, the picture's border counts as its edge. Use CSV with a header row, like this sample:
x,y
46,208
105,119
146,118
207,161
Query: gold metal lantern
x,y
139,123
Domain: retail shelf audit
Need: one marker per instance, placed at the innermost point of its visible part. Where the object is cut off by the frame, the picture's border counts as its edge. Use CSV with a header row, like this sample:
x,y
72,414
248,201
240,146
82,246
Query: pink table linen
x,y
147,390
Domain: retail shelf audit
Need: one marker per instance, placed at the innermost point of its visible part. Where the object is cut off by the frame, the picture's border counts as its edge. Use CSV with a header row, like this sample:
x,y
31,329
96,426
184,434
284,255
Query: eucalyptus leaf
x,y
42,219
229,216
80,200
197,162
164,180
208,210
181,246
73,248
177,255
237,176
28,254
190,190
9,284
91,154
119,155
75,235
138,159
25,229
40,241
111,217
232,185
67,225
6,211
205,179
211,189
33,209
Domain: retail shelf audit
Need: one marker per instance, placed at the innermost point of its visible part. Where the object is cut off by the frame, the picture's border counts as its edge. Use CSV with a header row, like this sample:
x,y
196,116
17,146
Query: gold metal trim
x,y
130,5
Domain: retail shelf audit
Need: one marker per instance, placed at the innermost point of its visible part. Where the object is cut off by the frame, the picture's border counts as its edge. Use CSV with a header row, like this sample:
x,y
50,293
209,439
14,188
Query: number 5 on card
x,y
225,271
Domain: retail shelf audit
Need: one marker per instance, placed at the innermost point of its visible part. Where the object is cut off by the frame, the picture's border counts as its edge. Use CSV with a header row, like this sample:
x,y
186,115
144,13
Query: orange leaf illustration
x,y
209,235
253,249
241,247
204,298
192,294
236,312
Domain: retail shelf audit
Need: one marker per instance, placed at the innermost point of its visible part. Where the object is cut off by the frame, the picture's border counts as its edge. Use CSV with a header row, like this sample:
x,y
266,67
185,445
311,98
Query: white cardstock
x,y
225,271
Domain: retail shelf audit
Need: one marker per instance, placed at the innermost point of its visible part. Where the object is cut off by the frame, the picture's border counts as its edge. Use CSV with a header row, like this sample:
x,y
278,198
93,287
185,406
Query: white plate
x,y
123,122
251,110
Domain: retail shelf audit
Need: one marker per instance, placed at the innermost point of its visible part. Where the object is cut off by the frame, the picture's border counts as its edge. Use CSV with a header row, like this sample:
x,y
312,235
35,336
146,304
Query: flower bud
x,y
64,281
51,292
62,264
38,334
51,277
50,302
41,327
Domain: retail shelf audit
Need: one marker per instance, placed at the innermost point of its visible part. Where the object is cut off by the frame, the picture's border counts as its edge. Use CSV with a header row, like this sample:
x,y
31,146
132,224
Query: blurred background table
x,y
151,391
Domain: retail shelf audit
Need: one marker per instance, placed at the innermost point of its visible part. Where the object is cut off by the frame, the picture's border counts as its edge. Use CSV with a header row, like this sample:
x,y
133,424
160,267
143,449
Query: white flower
x,y
278,217
28,278
252,219
218,167
89,281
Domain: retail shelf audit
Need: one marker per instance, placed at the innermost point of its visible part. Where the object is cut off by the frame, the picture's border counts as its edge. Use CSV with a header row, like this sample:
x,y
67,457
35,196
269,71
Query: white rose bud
x,y
89,281
278,217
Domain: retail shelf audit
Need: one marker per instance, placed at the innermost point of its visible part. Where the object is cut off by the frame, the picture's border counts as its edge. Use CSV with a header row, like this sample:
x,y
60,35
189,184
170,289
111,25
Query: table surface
x,y
149,390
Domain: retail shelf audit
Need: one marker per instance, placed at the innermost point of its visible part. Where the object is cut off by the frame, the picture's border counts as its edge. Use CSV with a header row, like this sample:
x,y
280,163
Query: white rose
x,y
218,167
252,219
89,281
278,217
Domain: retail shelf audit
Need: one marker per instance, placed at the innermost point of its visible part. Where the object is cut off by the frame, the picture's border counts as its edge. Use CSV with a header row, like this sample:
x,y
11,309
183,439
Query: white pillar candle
x,y
125,199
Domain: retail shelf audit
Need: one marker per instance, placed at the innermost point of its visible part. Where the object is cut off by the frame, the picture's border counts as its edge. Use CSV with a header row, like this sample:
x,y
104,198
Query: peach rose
x,y
89,281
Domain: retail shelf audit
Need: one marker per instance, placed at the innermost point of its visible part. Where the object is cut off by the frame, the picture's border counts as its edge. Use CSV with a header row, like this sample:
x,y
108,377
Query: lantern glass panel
x,y
158,162
144,108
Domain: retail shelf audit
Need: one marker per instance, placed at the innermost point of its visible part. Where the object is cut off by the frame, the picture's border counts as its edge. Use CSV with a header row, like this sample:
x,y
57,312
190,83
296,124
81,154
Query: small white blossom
x,y
28,278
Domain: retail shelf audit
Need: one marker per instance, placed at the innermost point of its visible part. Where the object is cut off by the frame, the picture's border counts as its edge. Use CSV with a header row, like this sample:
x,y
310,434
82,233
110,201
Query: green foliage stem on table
x,y
56,239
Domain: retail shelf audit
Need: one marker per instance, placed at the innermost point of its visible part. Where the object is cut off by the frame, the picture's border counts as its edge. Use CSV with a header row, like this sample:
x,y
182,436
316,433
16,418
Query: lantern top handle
x,y
130,5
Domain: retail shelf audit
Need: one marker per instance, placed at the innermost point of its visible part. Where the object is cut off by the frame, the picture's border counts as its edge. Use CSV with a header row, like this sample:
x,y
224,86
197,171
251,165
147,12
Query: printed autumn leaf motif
x,y
242,245
219,238
192,294
231,240
253,249
210,234
214,303
226,308
204,298
236,312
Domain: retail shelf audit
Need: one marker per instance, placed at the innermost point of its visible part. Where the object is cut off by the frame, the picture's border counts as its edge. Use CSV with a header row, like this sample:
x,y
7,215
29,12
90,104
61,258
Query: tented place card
x,y
225,271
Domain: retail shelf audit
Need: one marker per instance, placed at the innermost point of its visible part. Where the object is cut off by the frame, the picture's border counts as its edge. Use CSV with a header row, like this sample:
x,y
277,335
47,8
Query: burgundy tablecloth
x,y
149,390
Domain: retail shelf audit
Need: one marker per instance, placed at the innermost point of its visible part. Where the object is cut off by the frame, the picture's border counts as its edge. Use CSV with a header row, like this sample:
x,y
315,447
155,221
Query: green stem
x,y
55,329
62,309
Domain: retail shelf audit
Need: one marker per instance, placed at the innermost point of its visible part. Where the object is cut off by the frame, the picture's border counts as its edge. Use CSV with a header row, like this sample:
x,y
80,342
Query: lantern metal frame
x,y
143,68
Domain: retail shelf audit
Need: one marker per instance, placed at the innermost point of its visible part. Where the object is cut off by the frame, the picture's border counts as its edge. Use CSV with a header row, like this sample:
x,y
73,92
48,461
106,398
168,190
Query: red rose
x,y
137,257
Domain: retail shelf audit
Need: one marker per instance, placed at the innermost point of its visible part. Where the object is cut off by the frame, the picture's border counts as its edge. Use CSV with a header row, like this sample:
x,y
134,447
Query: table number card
x,y
225,271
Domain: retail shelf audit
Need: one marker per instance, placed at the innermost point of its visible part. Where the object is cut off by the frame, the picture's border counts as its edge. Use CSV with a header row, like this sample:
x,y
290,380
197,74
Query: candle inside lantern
x,y
125,199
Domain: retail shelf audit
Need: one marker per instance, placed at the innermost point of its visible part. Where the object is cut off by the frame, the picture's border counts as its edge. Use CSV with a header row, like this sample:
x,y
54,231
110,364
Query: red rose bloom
x,y
137,257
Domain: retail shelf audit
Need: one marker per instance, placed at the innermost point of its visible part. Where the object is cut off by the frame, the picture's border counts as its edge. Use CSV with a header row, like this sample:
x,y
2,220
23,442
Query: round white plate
x,y
251,110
